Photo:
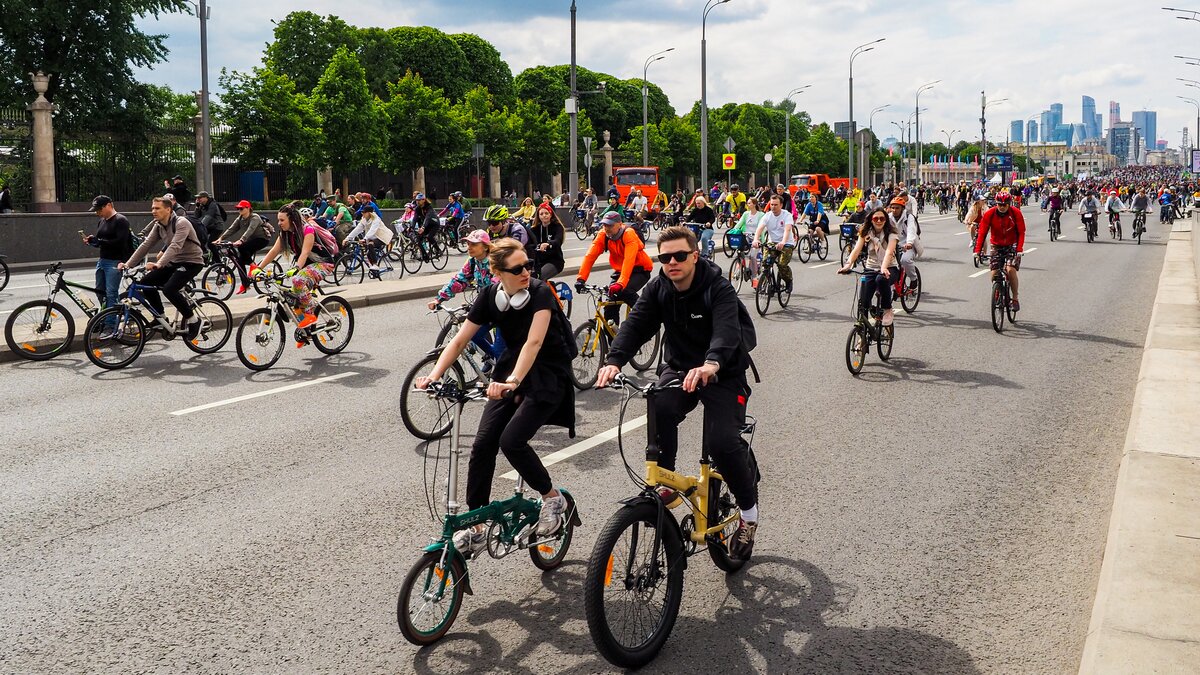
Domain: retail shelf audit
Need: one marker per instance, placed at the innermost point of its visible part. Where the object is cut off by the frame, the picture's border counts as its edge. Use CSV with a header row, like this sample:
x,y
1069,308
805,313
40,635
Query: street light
x,y
709,6
983,104
857,51
949,139
787,137
871,119
204,155
1193,13
645,105
1195,141
917,107
572,112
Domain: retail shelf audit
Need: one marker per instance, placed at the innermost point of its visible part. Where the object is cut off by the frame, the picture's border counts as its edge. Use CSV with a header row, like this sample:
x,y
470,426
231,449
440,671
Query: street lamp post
x,y
645,104
1028,160
572,112
917,108
787,137
204,161
903,148
1195,141
708,7
983,104
1195,14
949,141
855,53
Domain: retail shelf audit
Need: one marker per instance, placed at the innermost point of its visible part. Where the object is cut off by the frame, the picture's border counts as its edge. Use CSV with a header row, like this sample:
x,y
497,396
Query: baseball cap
x,y
420,196
204,194
101,201
479,237
170,197
245,204
610,218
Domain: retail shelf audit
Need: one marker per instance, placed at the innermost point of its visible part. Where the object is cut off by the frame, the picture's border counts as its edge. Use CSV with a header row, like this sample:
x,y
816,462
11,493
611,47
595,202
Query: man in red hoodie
x,y
1007,227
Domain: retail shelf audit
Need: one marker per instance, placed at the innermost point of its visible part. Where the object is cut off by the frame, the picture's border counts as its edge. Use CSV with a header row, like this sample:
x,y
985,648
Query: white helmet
x,y
1054,191
306,212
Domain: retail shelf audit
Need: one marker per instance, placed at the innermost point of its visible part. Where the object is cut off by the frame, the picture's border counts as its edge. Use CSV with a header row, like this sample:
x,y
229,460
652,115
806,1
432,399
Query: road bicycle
x,y
354,264
431,594
42,329
742,265
1089,225
225,273
868,327
1055,224
1001,295
1114,225
1139,225
262,333
116,336
769,282
4,276
593,337
634,581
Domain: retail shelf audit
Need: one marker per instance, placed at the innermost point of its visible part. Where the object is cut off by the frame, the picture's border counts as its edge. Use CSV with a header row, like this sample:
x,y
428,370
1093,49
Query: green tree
x,y
169,106
660,149
538,138
380,59
352,129
304,43
824,152
432,54
496,129
683,145
486,68
89,49
268,120
422,128
617,109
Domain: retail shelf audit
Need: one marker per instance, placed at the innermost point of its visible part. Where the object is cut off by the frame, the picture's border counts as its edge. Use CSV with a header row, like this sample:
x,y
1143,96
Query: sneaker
x,y
551,517
191,328
743,540
669,497
1016,306
307,320
754,283
374,274
788,284
888,316
469,542
488,364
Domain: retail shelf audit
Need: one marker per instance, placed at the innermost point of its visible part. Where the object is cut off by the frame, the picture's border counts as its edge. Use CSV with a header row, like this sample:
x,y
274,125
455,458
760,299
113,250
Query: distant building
x,y
1091,129
1121,142
1031,131
1160,145
1146,122
1114,114
1016,131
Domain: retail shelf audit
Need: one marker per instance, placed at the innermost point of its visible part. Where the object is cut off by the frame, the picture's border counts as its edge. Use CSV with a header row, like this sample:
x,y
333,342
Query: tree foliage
x,y
268,119
423,129
304,43
486,68
437,58
352,129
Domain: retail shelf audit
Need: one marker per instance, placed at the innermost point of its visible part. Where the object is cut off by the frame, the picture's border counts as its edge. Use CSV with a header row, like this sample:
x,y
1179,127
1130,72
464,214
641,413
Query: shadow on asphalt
x,y
773,618
915,370
216,370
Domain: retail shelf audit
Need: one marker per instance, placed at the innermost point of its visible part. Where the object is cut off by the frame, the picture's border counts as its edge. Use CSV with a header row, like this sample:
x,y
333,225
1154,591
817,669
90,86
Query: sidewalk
x,y
367,294
1146,618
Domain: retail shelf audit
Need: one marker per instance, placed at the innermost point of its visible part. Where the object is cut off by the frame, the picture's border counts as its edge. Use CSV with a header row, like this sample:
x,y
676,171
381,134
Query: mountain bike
x,y
1001,296
225,273
1139,225
431,594
868,328
42,329
634,581
262,333
116,336
1055,224
593,337
769,282
740,268
4,276
1114,225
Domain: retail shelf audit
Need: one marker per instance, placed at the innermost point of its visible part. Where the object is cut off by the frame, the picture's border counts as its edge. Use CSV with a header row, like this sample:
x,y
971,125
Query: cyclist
x,y
534,371
909,230
776,224
818,220
499,225
1113,207
746,226
249,235
974,215
638,203
1054,204
1140,205
1165,200
313,249
879,237
706,331
736,199
453,212
338,218
703,216
1007,228
175,266
526,212
588,204
626,255
1090,204
375,236
476,273
546,233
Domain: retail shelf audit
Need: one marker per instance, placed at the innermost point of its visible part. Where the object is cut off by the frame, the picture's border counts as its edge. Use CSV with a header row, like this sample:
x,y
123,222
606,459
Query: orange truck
x,y
818,183
644,178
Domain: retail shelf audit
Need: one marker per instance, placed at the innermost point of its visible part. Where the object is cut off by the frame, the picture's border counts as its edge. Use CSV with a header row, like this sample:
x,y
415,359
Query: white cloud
x,y
1032,52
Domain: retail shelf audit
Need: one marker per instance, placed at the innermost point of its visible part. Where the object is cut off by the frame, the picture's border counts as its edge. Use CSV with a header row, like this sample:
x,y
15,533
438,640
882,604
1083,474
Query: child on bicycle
x,y
476,273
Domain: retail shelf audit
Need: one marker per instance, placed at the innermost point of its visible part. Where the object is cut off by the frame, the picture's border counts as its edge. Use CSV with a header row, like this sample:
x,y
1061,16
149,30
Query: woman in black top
x,y
533,372
546,233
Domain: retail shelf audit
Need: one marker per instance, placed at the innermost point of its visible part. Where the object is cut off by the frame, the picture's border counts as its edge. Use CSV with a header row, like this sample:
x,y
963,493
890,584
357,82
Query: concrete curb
x,y
1146,617
367,294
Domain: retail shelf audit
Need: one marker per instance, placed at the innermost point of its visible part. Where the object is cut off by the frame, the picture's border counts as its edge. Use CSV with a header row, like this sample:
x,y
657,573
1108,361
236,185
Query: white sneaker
x,y
550,518
469,542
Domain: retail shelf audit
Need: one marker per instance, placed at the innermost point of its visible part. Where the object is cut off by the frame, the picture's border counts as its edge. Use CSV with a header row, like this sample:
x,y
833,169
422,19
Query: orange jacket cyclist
x,y
627,256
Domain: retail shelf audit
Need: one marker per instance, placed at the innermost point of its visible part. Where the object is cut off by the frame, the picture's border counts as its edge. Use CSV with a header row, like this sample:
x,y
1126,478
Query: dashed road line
x,y
269,392
586,444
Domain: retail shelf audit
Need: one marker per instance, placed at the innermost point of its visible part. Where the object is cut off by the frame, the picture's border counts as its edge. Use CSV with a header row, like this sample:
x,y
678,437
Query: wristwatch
x,y
513,379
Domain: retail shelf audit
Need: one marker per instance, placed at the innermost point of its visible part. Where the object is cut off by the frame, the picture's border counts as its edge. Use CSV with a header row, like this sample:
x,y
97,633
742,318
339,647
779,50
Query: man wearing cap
x,y
178,263
248,233
115,241
209,214
910,236
339,218
626,255
179,190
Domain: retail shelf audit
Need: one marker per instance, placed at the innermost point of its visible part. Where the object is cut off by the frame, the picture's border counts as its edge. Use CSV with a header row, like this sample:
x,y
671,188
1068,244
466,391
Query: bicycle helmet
x,y
496,213
306,212
1003,198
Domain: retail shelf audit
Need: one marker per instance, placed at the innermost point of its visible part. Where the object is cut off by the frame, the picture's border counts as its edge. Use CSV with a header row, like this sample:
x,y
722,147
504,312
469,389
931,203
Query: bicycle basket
x,y
848,230
737,240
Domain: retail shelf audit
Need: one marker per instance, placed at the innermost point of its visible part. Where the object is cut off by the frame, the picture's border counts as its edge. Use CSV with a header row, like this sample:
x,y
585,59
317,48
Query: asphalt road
x,y
944,512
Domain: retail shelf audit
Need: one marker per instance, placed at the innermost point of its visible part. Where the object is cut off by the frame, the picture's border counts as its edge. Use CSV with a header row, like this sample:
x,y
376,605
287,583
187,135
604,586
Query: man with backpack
x,y
626,255
708,336
249,233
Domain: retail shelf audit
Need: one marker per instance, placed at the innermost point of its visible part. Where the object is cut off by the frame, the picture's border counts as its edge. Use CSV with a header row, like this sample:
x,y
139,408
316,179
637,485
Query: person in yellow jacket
x,y
850,203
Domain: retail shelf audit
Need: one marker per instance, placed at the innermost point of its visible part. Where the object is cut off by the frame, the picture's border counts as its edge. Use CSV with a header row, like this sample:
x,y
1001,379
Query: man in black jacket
x,y
706,331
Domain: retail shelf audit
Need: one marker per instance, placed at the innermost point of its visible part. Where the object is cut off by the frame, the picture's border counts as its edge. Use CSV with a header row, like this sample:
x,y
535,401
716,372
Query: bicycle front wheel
x,y
39,330
804,249
3,274
632,588
220,280
590,350
260,339
998,301
424,417
737,273
762,294
335,325
216,325
115,337
725,245
349,269
856,349
430,598
410,258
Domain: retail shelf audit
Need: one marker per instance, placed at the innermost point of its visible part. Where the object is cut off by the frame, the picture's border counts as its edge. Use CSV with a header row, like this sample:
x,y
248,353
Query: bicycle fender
x,y
458,564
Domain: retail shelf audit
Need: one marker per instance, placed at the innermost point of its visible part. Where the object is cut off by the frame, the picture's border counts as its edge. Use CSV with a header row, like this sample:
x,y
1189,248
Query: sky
x,y
1030,52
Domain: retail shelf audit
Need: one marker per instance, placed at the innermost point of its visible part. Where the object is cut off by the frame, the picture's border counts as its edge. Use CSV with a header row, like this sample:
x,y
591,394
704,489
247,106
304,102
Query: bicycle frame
x,y
61,284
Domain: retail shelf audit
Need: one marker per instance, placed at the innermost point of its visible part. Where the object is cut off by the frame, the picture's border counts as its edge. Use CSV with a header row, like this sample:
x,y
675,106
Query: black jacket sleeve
x,y
725,346
641,325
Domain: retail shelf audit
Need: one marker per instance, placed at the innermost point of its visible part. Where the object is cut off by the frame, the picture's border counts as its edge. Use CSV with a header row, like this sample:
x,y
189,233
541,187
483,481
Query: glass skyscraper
x,y
1089,117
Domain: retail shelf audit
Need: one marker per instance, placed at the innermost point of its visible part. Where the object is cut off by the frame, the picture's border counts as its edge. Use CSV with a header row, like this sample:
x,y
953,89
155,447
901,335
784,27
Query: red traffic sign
x,y
729,161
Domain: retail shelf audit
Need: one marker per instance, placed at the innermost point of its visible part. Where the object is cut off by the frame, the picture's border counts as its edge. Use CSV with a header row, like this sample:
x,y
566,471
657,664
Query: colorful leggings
x,y
307,279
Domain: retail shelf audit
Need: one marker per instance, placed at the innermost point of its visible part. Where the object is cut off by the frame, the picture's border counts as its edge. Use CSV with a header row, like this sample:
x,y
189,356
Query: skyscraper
x,y
1056,112
1099,125
1114,114
1016,132
1146,122
1031,131
1089,117
1046,129
1120,140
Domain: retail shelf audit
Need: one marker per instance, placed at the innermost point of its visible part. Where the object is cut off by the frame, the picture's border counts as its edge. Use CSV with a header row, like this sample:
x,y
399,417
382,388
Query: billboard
x,y
1001,161
1195,162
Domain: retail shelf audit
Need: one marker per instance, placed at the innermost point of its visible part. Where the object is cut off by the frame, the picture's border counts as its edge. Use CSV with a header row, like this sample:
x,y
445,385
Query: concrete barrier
x,y
1146,617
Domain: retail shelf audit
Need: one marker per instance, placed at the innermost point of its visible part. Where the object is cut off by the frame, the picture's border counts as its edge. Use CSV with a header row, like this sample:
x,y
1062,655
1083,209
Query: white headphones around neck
x,y
518,301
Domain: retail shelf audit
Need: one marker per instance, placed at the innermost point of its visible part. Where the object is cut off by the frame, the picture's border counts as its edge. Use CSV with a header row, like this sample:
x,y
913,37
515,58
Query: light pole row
x,y
855,53
787,137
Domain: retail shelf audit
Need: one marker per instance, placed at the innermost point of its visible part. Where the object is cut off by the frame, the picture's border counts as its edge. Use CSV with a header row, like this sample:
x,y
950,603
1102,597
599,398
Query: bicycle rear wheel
x,y
647,354
910,295
631,591
260,339
590,350
424,417
784,291
999,299
438,255
4,276
115,337
39,330
887,334
335,325
216,325
430,598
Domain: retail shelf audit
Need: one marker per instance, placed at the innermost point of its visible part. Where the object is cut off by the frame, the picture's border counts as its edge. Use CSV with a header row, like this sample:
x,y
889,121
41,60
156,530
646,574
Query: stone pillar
x,y
45,193
608,163
556,186
419,180
325,180
494,180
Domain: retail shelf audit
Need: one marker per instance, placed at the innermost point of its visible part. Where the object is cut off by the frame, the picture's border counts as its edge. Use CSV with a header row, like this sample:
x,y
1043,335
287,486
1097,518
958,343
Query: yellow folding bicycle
x,y
592,338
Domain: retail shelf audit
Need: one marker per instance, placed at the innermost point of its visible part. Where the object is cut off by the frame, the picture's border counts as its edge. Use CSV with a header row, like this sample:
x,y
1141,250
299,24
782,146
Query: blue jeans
x,y
482,339
108,281
706,235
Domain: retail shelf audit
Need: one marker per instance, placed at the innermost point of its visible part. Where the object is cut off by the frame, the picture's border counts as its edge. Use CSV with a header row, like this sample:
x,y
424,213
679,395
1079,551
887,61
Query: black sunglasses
x,y
527,267
677,256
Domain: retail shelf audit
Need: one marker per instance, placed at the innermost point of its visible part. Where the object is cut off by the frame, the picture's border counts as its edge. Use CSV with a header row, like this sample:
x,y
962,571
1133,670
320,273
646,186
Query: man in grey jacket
x,y
178,264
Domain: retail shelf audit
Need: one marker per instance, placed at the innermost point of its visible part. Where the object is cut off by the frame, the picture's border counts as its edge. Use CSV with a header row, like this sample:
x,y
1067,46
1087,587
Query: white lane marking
x,y
1031,250
8,311
586,444
980,273
269,392
23,288
1079,228
817,267
957,234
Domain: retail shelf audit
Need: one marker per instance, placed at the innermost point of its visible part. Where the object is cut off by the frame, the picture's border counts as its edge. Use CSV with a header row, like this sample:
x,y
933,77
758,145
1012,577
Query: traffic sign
x,y
768,157
587,160
729,161
729,144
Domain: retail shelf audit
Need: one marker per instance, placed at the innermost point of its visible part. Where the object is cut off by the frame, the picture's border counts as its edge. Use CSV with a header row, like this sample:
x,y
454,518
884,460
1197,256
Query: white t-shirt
x,y
776,225
639,204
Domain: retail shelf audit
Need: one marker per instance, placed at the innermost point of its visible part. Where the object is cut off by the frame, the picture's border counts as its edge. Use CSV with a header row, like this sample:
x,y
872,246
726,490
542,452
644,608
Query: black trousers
x,y
171,279
724,414
507,426
629,294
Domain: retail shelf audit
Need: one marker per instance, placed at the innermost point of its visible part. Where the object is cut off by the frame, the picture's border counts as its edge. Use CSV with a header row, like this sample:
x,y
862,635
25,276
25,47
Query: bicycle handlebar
x,y
623,382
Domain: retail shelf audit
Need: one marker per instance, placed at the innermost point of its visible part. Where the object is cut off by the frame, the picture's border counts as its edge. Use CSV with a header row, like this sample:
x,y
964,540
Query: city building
x,y
1089,118
1146,122
1114,114
1099,125
1121,140
1016,131
1160,144
1031,131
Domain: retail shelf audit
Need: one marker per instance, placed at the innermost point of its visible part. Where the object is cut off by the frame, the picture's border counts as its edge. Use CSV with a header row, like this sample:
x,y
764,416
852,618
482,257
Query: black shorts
x,y
1002,253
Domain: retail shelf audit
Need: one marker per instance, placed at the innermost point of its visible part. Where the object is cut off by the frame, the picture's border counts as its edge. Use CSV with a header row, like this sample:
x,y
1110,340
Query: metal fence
x,y
16,154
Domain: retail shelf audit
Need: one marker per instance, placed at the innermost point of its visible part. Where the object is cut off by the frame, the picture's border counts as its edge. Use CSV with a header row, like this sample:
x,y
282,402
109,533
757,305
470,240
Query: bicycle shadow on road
x,y
915,370
775,620
216,370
